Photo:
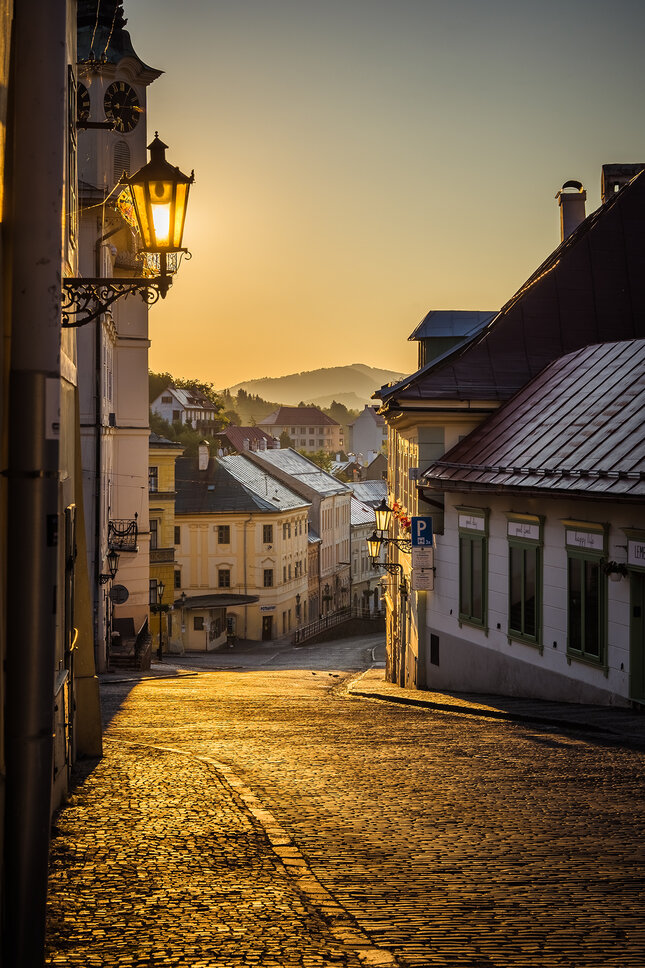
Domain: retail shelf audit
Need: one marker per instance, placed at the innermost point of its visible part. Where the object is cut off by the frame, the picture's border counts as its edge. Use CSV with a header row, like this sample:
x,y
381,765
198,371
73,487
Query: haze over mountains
x,y
351,385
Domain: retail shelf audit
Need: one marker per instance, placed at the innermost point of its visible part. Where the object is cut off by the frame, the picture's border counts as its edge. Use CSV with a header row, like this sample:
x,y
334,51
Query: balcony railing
x,y
123,534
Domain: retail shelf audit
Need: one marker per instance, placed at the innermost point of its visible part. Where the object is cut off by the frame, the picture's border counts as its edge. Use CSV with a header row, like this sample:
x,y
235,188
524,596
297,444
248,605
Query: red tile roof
x,y
297,417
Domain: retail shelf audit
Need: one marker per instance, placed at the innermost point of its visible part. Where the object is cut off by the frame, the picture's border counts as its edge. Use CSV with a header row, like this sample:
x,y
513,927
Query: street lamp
x,y
112,559
159,196
160,590
383,516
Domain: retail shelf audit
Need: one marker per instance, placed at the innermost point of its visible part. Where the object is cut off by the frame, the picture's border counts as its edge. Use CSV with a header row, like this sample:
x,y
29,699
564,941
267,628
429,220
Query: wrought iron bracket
x,y
84,300
104,579
393,568
403,544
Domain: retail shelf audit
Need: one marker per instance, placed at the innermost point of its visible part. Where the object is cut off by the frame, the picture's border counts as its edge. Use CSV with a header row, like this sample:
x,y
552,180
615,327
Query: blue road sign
x,y
422,532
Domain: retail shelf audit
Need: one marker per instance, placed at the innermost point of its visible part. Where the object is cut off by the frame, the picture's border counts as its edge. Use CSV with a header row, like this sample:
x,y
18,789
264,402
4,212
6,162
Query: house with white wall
x,y
540,573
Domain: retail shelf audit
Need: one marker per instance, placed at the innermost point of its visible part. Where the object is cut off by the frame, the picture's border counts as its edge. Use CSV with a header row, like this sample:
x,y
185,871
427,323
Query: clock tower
x,y
113,350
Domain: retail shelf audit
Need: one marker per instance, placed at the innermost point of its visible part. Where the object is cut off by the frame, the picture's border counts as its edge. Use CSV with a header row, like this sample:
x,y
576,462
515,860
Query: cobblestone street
x,y
252,811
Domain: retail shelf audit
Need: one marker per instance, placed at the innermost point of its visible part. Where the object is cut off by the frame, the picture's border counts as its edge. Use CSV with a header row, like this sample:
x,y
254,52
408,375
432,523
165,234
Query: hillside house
x,y
192,407
308,428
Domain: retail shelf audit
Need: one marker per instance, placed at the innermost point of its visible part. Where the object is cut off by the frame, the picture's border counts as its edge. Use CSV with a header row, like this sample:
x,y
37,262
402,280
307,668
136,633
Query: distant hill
x,y
351,385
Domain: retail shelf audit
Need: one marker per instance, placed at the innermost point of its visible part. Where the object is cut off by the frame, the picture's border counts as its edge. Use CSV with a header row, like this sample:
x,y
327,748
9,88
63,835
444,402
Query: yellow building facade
x,y
161,511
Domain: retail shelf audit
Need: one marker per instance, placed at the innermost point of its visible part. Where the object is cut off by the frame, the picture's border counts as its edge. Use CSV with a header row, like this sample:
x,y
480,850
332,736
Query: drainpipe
x,y
36,153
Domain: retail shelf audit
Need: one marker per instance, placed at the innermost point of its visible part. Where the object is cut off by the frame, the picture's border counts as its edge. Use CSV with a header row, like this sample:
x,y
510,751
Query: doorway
x,y
267,627
637,638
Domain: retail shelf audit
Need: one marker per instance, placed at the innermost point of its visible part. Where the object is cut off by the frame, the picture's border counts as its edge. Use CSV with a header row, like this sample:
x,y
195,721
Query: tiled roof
x,y
577,428
370,492
237,436
262,483
297,417
590,289
302,470
155,440
212,490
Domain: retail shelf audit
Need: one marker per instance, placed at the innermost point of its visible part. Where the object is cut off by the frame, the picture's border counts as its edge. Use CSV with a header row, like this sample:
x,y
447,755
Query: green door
x,y
637,639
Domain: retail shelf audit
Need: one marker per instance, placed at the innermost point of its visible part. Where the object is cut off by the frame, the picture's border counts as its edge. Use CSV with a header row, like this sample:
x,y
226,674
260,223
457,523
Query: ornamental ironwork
x,y
123,534
84,300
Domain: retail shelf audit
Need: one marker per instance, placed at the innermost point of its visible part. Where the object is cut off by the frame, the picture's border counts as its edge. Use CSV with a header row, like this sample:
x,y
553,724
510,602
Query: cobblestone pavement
x,y
264,816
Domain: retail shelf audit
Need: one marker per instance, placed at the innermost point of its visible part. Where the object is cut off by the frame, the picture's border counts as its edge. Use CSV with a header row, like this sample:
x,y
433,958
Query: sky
x,y
361,162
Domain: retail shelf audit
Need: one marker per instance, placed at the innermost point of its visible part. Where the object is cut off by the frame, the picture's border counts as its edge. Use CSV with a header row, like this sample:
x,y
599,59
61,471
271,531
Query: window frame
x,y
267,573
586,543
223,582
223,531
267,530
472,528
524,532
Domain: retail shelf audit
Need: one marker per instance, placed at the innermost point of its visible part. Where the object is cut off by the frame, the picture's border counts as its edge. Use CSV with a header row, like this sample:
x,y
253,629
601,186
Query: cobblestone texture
x,y
452,840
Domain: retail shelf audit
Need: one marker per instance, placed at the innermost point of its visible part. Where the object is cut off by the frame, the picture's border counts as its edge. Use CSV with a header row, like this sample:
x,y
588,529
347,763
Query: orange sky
x,y
359,162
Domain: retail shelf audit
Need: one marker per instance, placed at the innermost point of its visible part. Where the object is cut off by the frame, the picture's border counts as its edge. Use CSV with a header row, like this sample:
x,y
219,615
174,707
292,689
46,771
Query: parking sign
x,y
422,532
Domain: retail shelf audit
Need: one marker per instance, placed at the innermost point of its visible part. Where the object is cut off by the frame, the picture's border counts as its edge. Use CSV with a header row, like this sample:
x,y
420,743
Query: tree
x,y
157,383
319,457
285,440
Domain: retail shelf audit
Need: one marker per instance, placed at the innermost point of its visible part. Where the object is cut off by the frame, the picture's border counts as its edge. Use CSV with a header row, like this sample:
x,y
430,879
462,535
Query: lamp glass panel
x,y
374,546
139,199
180,214
383,516
161,196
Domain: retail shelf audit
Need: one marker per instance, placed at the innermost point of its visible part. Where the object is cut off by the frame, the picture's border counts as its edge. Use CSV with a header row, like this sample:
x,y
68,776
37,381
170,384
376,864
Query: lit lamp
x,y
383,516
160,197
159,193
374,544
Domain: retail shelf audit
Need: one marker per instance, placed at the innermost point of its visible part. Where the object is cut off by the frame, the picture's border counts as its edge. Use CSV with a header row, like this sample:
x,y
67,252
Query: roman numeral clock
x,y
121,106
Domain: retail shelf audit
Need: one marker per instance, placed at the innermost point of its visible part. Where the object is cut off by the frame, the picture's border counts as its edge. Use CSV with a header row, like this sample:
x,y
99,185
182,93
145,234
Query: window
x,y
586,592
153,478
473,560
223,534
268,578
312,430
312,443
166,399
177,579
177,534
267,534
284,573
224,578
152,592
154,533
198,623
524,577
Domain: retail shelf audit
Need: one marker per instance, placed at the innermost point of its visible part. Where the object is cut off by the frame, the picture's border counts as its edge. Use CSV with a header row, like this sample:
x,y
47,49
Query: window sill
x,y
522,640
473,623
588,661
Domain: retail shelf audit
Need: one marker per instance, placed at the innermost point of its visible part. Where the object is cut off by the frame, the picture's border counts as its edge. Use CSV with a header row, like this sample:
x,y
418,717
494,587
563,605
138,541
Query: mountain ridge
x,y
352,385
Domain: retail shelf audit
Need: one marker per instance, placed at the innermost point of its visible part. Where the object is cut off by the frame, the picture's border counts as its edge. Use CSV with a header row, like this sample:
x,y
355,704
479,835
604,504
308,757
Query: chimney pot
x,y
571,199
204,454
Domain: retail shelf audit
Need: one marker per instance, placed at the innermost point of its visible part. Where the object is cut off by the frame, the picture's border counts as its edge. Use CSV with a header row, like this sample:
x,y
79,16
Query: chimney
x,y
613,177
203,452
245,443
263,443
571,199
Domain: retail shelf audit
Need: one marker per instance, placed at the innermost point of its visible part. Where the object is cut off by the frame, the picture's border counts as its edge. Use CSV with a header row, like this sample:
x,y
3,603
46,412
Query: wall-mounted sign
x,y
119,594
522,529
636,553
586,539
421,532
267,608
422,569
472,522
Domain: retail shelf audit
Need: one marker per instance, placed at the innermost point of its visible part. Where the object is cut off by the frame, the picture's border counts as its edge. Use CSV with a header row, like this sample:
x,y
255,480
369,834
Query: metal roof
x,y
301,469
361,513
590,289
452,323
213,490
577,428
370,492
263,484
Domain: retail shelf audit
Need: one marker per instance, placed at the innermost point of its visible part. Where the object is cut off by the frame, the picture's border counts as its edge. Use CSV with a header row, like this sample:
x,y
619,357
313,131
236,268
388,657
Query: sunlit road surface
x,y
430,838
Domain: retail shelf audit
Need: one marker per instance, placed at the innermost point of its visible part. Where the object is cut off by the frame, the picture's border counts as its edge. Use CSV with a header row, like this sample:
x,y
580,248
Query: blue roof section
x,y
453,323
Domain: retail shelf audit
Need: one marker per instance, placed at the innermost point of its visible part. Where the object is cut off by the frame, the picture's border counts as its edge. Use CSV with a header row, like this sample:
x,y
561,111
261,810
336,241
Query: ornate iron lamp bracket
x,y
403,544
84,300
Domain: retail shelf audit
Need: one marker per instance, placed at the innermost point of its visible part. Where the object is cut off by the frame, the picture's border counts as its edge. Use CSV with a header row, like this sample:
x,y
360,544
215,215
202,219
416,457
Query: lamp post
x,y
160,608
112,559
156,207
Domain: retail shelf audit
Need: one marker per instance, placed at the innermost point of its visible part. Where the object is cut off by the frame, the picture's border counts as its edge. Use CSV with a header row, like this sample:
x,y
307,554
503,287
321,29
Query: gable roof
x,y
297,416
302,471
237,436
590,289
213,490
370,492
192,399
577,428
258,480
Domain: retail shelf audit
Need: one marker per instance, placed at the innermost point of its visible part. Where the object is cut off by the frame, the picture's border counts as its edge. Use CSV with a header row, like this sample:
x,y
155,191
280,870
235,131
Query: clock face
x,y
82,104
122,106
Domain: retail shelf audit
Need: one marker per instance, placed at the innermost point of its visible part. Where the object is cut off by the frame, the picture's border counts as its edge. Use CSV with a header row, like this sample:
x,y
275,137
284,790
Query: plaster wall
x,y
472,659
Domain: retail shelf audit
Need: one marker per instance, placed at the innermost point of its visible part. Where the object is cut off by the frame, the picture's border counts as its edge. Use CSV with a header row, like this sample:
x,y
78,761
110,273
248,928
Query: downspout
x,y
34,215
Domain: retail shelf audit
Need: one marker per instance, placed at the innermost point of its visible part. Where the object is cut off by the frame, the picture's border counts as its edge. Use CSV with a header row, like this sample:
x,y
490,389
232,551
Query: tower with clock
x,y
112,83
